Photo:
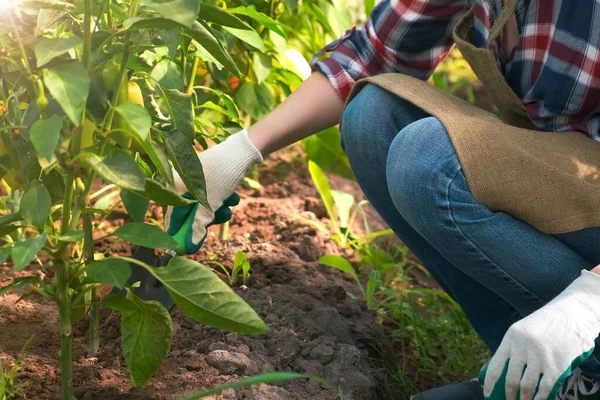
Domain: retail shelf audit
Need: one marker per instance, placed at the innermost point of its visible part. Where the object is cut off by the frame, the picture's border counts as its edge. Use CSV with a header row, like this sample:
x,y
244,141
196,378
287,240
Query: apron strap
x,y
507,11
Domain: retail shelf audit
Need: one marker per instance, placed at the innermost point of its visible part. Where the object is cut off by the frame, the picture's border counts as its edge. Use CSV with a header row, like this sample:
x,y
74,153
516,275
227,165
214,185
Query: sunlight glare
x,y
7,5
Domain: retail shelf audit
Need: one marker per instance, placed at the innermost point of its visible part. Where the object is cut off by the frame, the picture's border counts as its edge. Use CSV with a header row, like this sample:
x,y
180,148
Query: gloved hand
x,y
539,352
224,166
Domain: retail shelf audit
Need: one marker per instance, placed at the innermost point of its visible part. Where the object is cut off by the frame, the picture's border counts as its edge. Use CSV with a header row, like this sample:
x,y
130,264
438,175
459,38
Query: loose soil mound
x,y
315,326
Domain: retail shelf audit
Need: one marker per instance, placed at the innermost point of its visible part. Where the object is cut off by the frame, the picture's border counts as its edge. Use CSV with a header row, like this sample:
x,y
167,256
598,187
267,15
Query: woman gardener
x,y
503,209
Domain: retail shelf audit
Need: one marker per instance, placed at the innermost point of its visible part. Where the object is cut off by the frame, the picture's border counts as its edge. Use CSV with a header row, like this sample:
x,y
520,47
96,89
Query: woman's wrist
x,y
596,270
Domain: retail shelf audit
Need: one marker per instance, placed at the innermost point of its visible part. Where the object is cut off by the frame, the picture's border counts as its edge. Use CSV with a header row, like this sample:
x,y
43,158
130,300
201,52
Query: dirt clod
x,y
229,362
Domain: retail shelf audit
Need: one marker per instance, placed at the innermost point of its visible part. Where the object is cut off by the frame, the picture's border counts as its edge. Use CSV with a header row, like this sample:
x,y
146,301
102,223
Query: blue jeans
x,y
498,268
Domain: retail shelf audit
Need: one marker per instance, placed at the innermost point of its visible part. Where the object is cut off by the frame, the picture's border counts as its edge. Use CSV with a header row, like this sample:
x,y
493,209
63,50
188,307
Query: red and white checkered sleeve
x,y
404,36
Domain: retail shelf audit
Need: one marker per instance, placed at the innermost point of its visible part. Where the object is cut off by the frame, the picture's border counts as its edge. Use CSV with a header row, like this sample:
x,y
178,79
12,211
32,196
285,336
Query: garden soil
x,y
316,326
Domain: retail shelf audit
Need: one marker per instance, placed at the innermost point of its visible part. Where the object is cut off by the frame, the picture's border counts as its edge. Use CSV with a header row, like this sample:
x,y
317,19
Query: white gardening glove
x,y
541,350
225,166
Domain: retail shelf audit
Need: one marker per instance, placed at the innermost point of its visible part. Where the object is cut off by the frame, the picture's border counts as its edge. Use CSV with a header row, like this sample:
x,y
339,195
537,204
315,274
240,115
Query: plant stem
x,y
190,88
66,331
94,316
224,232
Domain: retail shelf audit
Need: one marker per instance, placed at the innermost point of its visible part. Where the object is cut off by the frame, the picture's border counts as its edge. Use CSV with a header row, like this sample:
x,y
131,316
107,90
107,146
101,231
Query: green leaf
x,y
69,84
206,41
259,17
170,38
47,49
23,252
369,6
10,218
340,263
110,271
181,11
167,74
146,235
4,253
255,99
343,203
250,37
217,15
209,42
271,377
35,205
44,135
136,117
135,205
162,195
186,163
320,181
160,160
180,109
118,168
202,295
146,334
293,4
261,64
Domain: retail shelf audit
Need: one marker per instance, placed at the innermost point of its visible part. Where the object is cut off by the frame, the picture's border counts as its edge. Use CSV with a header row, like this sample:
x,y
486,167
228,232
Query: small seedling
x,y
240,264
10,387
342,210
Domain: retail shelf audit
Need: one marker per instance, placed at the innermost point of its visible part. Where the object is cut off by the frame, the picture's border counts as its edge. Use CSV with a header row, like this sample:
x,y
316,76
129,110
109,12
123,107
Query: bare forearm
x,y
314,106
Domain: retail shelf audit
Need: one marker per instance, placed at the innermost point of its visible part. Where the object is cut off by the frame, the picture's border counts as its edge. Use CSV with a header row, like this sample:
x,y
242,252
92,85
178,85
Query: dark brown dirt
x,y
315,326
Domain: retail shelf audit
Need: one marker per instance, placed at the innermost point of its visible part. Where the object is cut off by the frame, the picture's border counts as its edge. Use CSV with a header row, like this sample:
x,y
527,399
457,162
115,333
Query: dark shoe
x,y
469,390
579,387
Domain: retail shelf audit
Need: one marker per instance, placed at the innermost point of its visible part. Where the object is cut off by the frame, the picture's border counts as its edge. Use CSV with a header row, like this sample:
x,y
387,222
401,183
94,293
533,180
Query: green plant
x,y
240,264
342,210
101,90
9,386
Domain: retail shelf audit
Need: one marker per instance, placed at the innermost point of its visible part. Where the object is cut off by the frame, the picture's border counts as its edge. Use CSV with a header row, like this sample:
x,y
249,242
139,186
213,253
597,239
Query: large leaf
x,y
250,37
203,296
69,84
47,49
210,13
167,74
162,195
35,205
44,135
135,205
209,42
255,99
146,334
339,263
200,32
180,108
23,252
160,160
259,17
261,65
118,168
110,271
137,118
186,163
181,11
146,235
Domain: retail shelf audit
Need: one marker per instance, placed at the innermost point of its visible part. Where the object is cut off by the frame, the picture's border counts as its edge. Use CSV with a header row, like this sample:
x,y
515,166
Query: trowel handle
x,y
180,236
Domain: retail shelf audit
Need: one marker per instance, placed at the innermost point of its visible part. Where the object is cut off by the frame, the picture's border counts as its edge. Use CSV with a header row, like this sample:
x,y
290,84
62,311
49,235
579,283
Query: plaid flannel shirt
x,y
554,69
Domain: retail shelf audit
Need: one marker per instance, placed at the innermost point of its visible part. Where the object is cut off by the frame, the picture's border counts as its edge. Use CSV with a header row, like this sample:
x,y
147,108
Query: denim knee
x,y
421,164
364,115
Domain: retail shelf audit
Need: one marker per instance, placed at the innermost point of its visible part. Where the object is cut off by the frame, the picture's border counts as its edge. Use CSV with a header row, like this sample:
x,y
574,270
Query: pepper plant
x,y
103,92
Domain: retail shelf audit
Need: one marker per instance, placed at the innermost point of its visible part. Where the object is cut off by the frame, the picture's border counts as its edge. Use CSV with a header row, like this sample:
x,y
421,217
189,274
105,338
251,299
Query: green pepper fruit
x,y
110,73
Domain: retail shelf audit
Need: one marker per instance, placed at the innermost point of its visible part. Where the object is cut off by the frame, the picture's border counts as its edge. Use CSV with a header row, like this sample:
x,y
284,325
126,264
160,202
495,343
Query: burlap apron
x,y
549,180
